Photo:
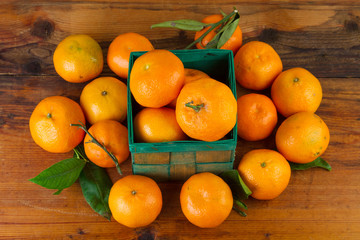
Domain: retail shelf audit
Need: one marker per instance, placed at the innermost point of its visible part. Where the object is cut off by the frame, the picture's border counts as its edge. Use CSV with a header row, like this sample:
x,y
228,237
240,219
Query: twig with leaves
x,y
93,140
224,29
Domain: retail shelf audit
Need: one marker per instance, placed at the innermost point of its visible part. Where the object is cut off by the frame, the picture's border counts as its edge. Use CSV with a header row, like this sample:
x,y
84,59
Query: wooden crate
x,y
179,160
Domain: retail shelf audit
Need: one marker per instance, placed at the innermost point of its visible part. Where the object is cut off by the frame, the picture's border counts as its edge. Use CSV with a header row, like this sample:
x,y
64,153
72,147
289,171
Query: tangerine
x,y
234,42
257,65
157,125
113,136
302,137
296,90
120,48
266,173
257,117
135,201
206,200
50,124
156,78
206,109
104,98
78,58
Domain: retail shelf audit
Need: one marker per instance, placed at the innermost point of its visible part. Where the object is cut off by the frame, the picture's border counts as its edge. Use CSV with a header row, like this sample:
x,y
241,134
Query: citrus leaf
x,y
183,24
228,32
238,187
223,13
318,162
95,185
61,175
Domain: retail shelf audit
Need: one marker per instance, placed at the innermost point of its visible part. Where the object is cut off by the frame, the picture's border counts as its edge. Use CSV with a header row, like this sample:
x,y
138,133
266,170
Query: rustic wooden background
x,y
322,36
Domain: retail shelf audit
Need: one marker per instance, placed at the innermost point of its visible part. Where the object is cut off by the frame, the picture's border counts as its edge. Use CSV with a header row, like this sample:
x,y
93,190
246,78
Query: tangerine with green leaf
x,y
233,43
113,136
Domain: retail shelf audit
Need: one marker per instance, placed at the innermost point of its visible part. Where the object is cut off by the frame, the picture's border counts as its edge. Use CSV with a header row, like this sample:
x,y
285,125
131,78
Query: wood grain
x,y
322,36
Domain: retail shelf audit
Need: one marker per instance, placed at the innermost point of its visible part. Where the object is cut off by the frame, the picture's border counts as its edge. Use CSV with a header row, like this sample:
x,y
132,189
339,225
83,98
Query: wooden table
x,y
322,36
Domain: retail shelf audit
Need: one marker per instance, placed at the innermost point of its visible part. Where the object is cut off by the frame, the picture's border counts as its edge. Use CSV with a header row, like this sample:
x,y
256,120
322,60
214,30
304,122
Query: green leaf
x,y
318,162
95,185
61,175
223,13
238,187
228,32
183,24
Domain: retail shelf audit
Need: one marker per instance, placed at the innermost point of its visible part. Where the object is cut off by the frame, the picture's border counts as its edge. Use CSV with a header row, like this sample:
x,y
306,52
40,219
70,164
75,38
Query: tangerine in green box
x,y
178,160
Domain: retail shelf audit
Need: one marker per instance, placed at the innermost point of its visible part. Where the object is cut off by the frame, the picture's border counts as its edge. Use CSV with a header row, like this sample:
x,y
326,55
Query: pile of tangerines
x,y
177,104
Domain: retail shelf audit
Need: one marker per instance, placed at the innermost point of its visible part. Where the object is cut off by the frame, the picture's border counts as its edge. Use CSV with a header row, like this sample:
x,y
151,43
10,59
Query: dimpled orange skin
x,y
257,117
135,201
215,119
296,90
111,134
156,78
190,76
104,98
78,58
234,42
50,124
302,137
206,200
157,125
266,173
257,65
120,49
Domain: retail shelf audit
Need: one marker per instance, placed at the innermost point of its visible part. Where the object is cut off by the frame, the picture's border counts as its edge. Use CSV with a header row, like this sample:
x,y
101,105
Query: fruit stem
x,y
197,107
93,140
213,26
263,164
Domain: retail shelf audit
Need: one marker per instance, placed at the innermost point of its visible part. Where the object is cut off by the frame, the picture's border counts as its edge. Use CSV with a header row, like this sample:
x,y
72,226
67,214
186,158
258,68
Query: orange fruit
x,y
104,98
296,90
112,135
206,109
206,200
266,173
135,201
193,75
156,78
78,58
257,116
234,42
120,48
190,76
257,65
157,125
302,137
50,124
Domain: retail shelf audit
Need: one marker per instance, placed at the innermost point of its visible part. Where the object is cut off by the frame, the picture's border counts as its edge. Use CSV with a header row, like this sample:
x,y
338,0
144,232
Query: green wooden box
x,y
179,160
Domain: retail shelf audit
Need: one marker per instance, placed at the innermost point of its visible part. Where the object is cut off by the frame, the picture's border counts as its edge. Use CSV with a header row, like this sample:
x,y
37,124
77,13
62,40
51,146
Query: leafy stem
x,y
223,21
93,140
224,28
79,153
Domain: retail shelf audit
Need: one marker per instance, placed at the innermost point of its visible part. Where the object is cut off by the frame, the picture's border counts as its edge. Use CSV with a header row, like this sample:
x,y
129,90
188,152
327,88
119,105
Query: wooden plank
x,y
151,158
214,156
322,38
